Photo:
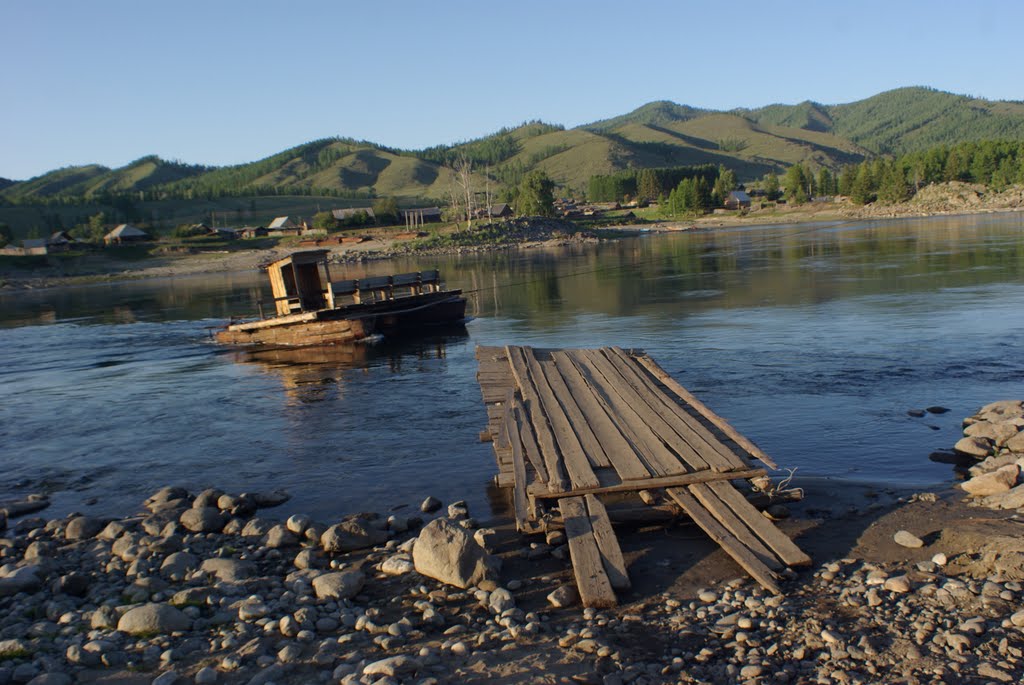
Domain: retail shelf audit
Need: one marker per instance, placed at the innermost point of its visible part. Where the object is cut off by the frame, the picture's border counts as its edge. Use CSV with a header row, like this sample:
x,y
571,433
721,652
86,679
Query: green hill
x,y
658,134
903,120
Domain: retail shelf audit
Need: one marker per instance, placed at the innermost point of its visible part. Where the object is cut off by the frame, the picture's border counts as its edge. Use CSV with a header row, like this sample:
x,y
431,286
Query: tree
x,y
796,184
460,192
725,183
386,210
6,236
325,221
862,190
826,182
536,194
771,185
893,186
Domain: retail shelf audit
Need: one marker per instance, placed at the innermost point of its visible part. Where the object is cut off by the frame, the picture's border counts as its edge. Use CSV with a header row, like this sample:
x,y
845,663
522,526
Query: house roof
x,y
421,210
739,195
29,243
59,237
281,222
500,208
127,231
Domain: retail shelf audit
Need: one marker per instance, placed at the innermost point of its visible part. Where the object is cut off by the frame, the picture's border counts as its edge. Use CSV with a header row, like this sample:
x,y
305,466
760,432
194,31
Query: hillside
x,y
658,134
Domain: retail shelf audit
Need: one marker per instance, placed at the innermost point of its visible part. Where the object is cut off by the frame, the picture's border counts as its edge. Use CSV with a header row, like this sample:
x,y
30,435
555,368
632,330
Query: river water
x,y
813,340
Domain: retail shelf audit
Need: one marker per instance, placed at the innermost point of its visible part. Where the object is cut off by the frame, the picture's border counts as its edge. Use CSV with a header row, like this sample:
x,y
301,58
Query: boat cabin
x,y
301,282
297,283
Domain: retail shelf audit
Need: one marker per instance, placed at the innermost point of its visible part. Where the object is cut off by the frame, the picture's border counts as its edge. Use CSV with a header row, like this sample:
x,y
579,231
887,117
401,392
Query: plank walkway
x,y
570,425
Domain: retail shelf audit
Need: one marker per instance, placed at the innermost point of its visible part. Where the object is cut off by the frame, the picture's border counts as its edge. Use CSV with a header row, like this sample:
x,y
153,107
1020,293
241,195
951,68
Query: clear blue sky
x,y
231,81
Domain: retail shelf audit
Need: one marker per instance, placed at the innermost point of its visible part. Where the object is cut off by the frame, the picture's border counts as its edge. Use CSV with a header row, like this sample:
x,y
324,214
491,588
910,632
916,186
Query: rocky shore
x,y
219,588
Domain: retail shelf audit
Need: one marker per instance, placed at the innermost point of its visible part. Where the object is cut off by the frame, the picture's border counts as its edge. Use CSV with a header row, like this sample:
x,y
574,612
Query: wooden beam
x,y
590,444
519,500
734,524
716,453
591,579
703,410
652,483
557,482
740,554
779,542
574,459
617,447
607,544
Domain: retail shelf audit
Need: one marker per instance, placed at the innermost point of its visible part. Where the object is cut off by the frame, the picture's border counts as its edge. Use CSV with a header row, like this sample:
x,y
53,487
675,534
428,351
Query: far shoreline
x,y
383,249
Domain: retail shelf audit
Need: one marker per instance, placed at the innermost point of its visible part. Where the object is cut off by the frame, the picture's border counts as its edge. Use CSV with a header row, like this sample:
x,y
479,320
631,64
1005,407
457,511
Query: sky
x,y
221,82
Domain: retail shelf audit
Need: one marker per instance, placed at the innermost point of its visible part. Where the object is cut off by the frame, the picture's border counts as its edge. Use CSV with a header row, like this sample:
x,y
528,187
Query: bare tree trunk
x,y
461,192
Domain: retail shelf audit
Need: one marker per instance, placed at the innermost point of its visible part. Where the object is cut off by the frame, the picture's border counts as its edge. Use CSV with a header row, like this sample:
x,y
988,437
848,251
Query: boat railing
x,y
382,288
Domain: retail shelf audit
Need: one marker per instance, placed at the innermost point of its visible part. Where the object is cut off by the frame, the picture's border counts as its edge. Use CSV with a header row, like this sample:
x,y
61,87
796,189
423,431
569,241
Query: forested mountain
x,y
657,135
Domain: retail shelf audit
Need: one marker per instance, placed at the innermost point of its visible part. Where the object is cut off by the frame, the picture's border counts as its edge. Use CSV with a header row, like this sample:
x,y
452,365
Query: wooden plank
x,y
647,426
703,410
557,481
591,579
652,412
607,544
519,500
581,475
779,542
529,441
588,442
734,525
714,451
618,449
651,483
740,554
646,446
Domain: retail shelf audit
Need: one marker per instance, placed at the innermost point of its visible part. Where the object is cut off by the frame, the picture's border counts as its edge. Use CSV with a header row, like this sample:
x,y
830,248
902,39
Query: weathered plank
x,y
519,499
557,481
607,544
635,414
734,525
655,415
529,441
779,542
588,441
620,452
591,579
704,411
740,554
705,476
711,449
581,474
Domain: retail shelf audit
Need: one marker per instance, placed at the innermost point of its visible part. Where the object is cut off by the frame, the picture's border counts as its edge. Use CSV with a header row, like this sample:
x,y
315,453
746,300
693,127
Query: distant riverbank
x,y
949,199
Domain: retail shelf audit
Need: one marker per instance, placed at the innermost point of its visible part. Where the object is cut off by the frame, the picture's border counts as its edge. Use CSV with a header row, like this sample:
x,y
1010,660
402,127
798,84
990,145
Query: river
x,y
813,340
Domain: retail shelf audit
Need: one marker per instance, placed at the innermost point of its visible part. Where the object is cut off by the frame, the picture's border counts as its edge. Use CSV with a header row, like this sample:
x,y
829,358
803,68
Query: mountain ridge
x,y
657,134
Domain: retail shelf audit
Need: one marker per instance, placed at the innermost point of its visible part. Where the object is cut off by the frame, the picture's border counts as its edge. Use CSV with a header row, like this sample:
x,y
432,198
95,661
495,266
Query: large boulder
x,y
998,481
203,519
339,585
356,533
976,447
83,528
998,433
228,570
447,552
153,619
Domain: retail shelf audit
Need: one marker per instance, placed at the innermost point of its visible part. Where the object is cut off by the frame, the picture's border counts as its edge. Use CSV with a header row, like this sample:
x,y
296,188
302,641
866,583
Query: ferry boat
x,y
311,309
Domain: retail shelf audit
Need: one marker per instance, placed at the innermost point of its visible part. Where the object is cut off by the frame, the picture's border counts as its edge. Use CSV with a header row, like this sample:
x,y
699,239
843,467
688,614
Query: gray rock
x,y
279,536
900,584
203,520
564,596
52,678
23,579
338,585
430,505
207,498
153,619
1000,480
206,676
351,535
274,673
257,528
501,600
298,523
998,433
308,558
177,566
398,565
166,678
395,666
975,447
228,570
1011,499
447,552
907,539
83,528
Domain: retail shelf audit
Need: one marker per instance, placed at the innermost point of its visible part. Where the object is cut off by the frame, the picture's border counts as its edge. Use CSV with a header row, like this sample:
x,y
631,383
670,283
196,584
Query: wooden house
x,y
253,231
737,199
282,226
420,215
125,233
349,214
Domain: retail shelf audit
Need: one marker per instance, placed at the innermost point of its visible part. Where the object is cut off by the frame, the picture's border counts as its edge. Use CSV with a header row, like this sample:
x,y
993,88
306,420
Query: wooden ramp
x,y
570,425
